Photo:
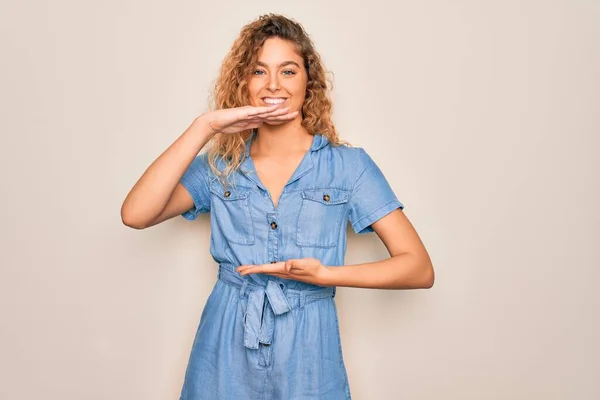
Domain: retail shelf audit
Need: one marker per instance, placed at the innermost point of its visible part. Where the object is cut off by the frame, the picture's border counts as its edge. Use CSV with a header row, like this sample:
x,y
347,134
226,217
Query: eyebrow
x,y
283,64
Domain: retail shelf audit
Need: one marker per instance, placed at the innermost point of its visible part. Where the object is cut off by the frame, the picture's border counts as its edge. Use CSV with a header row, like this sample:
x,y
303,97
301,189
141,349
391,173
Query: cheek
x,y
299,87
254,86
299,90
253,90
299,94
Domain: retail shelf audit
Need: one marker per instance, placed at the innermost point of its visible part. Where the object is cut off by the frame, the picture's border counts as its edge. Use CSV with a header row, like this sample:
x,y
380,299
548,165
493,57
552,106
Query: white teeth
x,y
274,101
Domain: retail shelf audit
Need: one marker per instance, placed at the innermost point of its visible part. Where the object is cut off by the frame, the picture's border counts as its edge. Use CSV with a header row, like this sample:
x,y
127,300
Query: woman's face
x,y
279,77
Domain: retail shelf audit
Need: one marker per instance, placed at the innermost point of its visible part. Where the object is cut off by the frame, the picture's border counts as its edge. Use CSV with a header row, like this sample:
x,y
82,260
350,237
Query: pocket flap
x,y
327,196
229,193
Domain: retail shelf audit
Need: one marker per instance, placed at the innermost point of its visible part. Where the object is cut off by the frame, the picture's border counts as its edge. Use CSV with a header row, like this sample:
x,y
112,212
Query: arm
x,y
409,265
158,195
373,207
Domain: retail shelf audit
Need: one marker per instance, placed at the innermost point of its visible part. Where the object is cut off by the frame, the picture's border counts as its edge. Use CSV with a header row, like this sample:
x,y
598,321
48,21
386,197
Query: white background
x,y
484,116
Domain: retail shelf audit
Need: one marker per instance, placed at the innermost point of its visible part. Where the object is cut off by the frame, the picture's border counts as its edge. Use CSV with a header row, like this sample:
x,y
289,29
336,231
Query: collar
x,y
306,165
318,142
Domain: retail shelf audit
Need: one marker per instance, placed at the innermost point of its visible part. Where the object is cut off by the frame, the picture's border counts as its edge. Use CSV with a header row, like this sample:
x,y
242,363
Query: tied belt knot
x,y
265,303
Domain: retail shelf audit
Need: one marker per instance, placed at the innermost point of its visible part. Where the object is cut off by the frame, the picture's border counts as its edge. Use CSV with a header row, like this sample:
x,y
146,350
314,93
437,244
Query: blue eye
x,y
290,72
258,72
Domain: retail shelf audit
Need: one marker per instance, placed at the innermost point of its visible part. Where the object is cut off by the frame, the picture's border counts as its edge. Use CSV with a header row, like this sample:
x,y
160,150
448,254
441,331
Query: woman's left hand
x,y
309,270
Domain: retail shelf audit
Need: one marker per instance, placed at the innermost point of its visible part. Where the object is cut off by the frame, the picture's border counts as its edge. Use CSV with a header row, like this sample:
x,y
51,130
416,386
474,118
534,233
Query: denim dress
x,y
263,337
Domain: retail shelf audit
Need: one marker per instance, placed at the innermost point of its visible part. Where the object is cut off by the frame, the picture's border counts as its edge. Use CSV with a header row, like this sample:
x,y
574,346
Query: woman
x,y
280,187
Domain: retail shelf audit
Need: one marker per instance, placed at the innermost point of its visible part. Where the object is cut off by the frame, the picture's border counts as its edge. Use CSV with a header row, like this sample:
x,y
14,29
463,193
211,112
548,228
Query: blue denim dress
x,y
262,337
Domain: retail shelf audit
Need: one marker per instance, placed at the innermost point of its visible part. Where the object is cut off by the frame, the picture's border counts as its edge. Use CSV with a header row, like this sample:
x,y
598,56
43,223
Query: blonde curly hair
x,y
231,87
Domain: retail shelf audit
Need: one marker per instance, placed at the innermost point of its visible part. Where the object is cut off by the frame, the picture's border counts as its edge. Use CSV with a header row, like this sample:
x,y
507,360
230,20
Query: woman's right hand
x,y
233,120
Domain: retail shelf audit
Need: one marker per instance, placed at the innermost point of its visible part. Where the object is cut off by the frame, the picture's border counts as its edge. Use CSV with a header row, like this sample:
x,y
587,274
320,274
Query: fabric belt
x,y
266,302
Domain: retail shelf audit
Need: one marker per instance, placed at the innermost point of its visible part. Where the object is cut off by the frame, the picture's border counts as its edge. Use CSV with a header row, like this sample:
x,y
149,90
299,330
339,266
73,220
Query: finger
x,y
263,268
274,113
285,117
254,270
277,274
244,267
261,110
262,117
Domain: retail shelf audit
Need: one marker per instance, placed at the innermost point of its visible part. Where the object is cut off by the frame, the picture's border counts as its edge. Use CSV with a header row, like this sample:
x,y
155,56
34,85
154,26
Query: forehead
x,y
275,50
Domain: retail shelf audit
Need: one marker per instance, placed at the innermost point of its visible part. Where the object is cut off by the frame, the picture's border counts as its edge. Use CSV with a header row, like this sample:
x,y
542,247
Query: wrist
x,y
328,276
203,124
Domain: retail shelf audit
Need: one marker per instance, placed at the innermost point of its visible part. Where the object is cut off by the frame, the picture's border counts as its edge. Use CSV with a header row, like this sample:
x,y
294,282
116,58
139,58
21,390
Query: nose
x,y
273,85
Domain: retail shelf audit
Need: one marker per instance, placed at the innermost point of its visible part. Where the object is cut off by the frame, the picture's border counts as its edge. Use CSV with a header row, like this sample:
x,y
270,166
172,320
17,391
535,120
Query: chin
x,y
276,123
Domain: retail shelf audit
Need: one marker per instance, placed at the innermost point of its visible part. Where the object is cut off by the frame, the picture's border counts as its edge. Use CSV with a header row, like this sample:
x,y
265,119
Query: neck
x,y
281,139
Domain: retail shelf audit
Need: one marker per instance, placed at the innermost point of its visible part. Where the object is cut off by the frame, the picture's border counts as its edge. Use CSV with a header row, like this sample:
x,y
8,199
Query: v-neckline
x,y
302,168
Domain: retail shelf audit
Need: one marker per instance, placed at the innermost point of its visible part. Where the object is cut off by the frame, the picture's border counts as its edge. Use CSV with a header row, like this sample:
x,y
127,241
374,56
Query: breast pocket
x,y
231,208
321,217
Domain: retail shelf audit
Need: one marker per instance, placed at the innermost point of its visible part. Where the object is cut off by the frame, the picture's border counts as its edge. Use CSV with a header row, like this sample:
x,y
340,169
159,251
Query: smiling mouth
x,y
274,100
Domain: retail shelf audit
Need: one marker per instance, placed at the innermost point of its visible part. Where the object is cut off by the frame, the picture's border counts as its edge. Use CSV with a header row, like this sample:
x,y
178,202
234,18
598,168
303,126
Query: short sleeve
x,y
372,197
195,181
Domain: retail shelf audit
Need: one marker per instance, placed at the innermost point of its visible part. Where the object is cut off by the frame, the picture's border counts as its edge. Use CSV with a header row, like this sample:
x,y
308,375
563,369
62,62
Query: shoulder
x,y
201,164
201,160
353,158
346,152
198,172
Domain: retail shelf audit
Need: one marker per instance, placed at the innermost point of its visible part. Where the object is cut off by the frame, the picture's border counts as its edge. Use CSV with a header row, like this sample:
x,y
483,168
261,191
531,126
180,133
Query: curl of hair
x,y
231,88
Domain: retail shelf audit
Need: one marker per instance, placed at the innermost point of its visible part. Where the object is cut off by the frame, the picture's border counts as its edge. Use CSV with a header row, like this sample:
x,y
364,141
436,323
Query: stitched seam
x,y
368,215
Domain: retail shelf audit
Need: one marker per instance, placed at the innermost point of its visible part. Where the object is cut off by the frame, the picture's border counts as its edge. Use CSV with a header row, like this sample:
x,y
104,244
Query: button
x,y
273,225
326,197
227,193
